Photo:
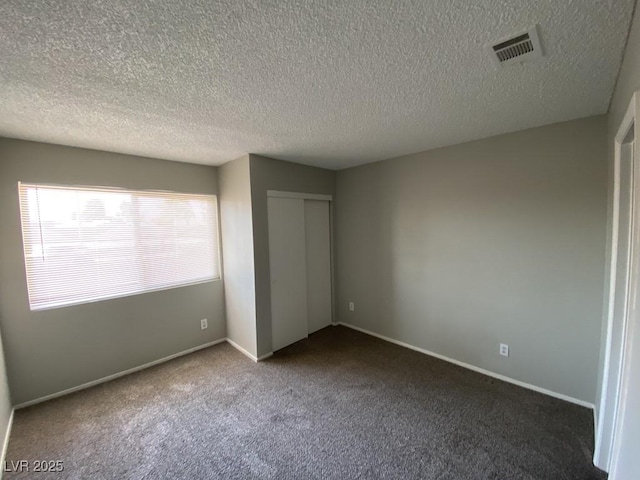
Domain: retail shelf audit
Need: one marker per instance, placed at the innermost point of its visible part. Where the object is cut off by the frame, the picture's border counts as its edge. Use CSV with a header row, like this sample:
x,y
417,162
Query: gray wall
x,y
52,350
237,240
270,174
5,399
628,82
628,78
499,240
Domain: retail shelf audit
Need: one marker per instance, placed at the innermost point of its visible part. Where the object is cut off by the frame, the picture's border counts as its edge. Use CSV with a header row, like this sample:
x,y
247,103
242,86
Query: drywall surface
x,y
237,253
270,174
628,78
494,241
5,399
53,350
626,462
628,82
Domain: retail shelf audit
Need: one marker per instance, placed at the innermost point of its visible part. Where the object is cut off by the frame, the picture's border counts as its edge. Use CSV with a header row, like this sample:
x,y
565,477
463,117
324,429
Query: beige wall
x,y
237,241
52,350
270,174
499,240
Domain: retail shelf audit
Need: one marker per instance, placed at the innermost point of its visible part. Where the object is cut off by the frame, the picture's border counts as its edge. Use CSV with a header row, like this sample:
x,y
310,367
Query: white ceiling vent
x,y
518,49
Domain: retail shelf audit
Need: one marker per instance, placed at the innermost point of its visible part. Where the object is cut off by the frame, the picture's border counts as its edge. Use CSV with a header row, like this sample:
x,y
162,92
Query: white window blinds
x,y
88,244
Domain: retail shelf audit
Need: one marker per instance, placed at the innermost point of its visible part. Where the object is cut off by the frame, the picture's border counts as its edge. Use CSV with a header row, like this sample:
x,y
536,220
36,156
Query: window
x,y
88,244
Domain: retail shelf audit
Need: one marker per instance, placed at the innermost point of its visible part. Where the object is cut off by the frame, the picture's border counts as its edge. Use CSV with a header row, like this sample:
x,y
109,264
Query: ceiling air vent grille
x,y
520,48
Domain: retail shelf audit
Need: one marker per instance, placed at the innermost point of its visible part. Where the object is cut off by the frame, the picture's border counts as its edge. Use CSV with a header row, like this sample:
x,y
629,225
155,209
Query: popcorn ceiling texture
x,y
327,83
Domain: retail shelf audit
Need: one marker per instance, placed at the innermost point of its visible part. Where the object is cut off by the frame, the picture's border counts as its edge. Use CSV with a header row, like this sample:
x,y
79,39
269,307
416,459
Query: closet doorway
x,y
300,265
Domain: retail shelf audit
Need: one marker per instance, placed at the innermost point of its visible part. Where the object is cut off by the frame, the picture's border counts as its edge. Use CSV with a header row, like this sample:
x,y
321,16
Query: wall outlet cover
x,y
203,324
504,349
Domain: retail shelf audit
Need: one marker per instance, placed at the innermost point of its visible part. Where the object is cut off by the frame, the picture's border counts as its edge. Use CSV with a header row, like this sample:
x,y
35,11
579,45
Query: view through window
x,y
87,244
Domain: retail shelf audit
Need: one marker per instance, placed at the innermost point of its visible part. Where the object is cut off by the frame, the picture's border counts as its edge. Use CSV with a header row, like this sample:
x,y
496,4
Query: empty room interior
x,y
319,239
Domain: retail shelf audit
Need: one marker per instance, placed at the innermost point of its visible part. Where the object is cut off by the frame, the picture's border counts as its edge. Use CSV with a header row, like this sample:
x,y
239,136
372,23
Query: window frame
x,y
101,188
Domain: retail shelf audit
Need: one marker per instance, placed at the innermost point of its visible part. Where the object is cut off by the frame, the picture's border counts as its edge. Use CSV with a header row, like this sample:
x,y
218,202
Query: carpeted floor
x,y
339,405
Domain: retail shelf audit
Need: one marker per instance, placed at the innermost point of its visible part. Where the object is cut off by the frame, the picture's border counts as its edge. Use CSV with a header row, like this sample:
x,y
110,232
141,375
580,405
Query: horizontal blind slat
x,y
84,244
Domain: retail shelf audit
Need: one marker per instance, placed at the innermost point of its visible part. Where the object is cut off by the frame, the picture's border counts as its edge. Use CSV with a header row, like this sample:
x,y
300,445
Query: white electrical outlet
x,y
352,307
504,349
203,324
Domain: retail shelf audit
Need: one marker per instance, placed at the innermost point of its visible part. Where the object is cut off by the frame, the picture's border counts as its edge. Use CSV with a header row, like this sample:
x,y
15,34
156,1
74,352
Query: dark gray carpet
x,y
339,405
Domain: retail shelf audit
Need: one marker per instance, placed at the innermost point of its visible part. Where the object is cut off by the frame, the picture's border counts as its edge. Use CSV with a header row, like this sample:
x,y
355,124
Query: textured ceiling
x,y
327,83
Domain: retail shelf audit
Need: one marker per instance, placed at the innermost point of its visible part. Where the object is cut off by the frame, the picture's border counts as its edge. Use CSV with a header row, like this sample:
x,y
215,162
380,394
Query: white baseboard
x,y
242,350
5,444
116,375
245,352
474,368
